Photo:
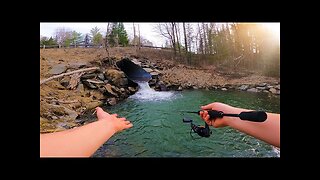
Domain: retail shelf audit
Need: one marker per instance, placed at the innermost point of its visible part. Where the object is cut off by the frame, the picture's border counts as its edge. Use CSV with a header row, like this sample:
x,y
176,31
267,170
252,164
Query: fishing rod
x,y
204,131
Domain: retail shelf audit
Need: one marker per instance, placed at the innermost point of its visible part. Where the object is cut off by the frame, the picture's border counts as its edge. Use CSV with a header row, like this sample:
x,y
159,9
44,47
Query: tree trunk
x,y
134,36
173,40
186,43
178,42
139,38
204,39
106,40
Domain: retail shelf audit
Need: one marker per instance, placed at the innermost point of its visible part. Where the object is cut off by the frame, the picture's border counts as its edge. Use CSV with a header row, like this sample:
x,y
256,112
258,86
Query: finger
x,y
122,119
201,114
127,122
101,114
207,117
129,125
115,115
204,114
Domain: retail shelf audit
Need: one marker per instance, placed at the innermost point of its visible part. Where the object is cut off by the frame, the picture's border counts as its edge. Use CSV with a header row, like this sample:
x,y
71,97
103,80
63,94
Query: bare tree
x,y
166,30
106,39
205,44
201,49
186,43
63,35
134,35
139,42
177,36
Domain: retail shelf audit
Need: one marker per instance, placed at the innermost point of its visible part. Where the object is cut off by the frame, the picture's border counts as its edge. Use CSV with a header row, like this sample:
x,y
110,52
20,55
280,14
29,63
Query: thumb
x,y
101,114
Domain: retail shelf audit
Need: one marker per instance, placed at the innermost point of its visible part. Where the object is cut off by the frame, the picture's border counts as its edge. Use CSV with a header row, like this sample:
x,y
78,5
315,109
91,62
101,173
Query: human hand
x,y
218,122
117,124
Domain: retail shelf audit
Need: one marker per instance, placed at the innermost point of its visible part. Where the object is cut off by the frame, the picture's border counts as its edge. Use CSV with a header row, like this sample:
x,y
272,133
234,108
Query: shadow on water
x,y
158,130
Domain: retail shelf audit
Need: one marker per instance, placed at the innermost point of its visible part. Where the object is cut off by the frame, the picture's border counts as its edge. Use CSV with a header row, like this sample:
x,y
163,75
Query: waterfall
x,y
147,93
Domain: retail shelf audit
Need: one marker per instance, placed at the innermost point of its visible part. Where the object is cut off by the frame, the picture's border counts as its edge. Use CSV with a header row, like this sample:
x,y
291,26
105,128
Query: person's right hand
x,y
218,122
117,124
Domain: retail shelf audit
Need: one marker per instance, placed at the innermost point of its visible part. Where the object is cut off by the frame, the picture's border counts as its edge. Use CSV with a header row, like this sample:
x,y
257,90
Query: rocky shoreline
x,y
65,100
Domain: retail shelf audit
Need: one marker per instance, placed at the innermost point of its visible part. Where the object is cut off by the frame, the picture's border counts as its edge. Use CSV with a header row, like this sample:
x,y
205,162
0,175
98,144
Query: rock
x,y
154,75
80,88
93,104
97,95
278,92
65,81
123,82
111,101
88,84
89,76
277,86
122,90
132,89
118,78
108,87
163,87
77,65
179,88
58,69
269,86
266,91
273,90
116,90
252,90
94,81
156,70
224,89
136,62
195,87
62,112
54,117
152,82
149,70
243,87
262,84
101,76
261,88
79,121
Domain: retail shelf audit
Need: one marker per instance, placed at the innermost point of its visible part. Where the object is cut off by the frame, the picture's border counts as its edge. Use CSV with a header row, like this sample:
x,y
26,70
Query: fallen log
x,y
68,73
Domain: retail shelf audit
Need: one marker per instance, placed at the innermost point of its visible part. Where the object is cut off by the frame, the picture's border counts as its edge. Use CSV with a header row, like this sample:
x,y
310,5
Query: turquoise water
x,y
158,130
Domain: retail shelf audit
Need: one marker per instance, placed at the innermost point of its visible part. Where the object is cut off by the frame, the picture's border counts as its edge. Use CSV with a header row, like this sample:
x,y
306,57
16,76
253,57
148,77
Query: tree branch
x,y
68,73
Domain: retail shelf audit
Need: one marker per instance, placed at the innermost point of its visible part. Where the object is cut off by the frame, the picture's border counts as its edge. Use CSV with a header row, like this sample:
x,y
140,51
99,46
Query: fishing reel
x,y
203,131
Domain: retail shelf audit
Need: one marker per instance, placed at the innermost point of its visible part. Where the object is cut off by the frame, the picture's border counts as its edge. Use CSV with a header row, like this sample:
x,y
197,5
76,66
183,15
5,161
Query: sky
x,y
146,30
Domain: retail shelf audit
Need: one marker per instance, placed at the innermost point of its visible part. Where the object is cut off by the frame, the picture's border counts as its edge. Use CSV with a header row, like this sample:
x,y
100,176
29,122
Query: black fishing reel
x,y
203,131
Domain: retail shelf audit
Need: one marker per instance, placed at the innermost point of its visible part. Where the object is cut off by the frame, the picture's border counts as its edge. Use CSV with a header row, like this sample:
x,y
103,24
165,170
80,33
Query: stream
x,y
158,130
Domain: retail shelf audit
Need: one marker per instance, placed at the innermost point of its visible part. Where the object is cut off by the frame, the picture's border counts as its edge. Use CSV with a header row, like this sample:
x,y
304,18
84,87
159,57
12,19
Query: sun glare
x,y
273,27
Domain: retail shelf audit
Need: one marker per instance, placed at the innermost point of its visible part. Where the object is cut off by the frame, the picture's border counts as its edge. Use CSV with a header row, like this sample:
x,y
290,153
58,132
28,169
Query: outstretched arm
x,y
82,141
268,131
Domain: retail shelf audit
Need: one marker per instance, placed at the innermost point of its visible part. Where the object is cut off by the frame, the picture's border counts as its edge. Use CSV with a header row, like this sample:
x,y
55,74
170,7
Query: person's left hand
x,y
117,124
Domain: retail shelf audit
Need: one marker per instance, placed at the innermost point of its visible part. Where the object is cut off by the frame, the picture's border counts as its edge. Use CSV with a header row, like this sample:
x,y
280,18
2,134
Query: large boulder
x,y
58,69
117,77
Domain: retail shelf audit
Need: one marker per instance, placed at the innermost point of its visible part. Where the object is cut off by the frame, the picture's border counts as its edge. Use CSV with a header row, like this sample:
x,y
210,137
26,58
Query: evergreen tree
x,y
118,35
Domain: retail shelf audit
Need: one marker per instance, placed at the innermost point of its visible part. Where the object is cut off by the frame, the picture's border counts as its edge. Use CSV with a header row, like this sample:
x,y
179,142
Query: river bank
x,y
65,99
